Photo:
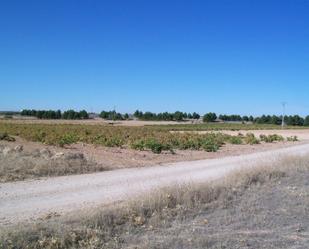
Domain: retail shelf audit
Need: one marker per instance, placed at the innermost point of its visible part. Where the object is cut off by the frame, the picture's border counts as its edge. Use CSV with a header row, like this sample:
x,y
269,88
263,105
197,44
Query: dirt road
x,y
29,200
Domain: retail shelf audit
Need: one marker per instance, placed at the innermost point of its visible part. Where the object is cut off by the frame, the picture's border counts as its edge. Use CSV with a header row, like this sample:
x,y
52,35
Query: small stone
x,y
58,155
45,153
205,221
19,148
6,151
139,220
69,156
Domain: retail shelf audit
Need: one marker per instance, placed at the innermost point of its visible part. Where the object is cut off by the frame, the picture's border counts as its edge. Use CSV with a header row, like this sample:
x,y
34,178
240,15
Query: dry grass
x,y
15,164
210,215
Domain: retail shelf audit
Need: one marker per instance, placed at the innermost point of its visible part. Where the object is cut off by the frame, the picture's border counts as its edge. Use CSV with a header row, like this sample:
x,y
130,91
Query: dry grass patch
x,y
15,164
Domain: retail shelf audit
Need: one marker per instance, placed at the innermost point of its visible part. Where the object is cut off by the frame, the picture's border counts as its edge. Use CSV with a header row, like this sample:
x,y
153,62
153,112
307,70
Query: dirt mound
x,y
17,164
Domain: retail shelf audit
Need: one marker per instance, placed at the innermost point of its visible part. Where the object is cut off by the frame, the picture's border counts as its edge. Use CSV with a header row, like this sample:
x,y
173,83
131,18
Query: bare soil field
x,y
260,207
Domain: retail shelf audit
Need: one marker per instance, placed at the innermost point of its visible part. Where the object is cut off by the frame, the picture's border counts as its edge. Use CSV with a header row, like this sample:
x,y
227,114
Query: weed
x,y
271,138
251,139
235,140
292,139
5,136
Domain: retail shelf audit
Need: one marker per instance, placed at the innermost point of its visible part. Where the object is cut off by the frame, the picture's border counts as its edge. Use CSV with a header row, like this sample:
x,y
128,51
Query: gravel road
x,y
33,199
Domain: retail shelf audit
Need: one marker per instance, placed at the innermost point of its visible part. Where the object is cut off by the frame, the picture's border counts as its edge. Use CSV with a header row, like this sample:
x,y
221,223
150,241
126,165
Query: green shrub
x,y
4,136
235,140
154,146
67,139
251,139
271,138
157,147
292,139
210,146
114,142
138,145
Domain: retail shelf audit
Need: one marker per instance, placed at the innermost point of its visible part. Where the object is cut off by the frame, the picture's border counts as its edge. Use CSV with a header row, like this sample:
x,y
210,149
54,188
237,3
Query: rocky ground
x,y
17,164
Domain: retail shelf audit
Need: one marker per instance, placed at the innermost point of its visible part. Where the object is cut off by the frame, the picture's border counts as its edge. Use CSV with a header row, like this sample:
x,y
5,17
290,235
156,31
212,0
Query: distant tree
x,y
178,116
306,121
126,116
138,114
58,114
195,115
245,118
104,114
209,117
83,114
275,120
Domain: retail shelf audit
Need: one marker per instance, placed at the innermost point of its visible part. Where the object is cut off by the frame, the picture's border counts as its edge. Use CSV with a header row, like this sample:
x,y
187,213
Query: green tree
x,y
210,117
178,116
245,118
195,115
83,114
306,121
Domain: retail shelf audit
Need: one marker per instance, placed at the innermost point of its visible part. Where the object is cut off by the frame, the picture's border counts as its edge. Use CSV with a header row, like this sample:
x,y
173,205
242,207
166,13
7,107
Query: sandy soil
x,y
30,200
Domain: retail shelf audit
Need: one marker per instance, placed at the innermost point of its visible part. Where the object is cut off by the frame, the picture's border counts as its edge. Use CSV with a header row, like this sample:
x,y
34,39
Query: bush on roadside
x,y
138,145
292,139
251,139
5,136
235,140
271,138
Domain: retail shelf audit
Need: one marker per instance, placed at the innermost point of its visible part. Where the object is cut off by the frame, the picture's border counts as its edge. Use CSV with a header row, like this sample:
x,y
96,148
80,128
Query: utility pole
x,y
114,113
283,113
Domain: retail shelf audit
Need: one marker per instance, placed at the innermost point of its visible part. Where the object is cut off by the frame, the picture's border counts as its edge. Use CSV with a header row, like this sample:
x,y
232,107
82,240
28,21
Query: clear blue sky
x,y
224,56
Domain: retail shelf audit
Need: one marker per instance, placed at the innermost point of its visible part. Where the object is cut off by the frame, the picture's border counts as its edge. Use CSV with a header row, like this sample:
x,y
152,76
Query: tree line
x,y
113,115
165,116
294,120
50,114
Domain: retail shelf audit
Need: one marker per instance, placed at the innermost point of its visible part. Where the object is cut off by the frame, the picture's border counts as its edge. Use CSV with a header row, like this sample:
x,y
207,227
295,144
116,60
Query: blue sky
x,y
224,56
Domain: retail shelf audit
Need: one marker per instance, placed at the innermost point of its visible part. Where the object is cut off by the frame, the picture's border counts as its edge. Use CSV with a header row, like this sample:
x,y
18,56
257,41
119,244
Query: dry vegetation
x,y
156,139
265,207
16,164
